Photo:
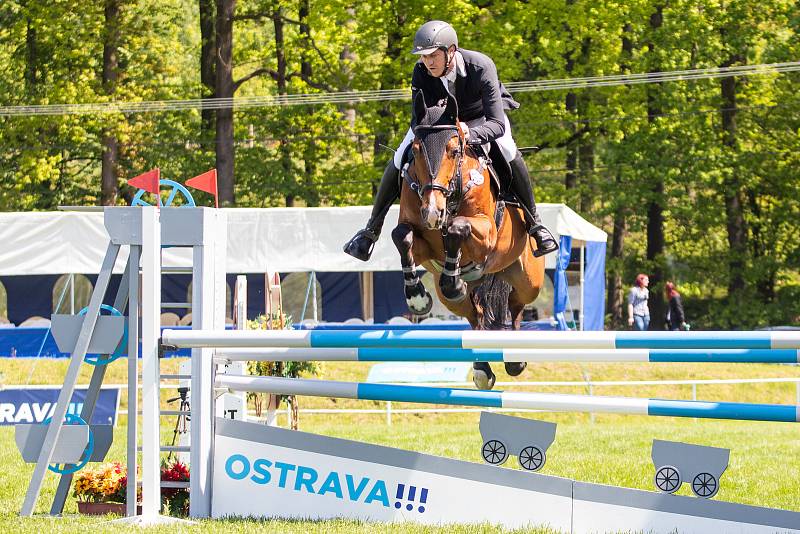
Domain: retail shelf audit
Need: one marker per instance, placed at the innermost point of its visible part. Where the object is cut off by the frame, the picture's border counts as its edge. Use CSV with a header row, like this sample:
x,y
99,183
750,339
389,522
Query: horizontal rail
x,y
508,399
284,354
484,339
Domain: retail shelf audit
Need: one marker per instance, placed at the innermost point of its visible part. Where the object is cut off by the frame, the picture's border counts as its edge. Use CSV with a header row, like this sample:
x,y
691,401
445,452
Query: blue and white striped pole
x,y
509,399
280,354
484,339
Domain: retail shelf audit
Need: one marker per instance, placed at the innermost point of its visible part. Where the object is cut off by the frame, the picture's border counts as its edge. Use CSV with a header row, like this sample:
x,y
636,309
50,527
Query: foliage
x,y
279,369
175,499
721,170
105,483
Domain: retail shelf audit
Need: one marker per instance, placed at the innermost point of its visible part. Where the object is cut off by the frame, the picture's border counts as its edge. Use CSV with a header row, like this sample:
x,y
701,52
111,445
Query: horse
x,y
454,222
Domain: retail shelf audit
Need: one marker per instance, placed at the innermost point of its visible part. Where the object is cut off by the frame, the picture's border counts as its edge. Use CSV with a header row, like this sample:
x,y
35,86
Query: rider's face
x,y
435,62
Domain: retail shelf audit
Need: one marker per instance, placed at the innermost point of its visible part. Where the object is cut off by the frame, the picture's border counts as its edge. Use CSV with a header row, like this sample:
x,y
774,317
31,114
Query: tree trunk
x,y
734,196
224,89
616,295
280,81
208,60
109,182
655,208
32,73
390,79
311,193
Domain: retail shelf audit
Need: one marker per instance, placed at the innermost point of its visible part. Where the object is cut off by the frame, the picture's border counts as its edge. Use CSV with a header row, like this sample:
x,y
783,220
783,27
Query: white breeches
x,y
506,143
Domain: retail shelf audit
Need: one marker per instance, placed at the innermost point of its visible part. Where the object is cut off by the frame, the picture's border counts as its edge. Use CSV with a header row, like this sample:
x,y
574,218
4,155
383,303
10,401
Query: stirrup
x,y
542,247
355,247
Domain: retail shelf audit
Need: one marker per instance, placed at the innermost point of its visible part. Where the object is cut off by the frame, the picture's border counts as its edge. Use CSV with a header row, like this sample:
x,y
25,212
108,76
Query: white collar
x,y
459,69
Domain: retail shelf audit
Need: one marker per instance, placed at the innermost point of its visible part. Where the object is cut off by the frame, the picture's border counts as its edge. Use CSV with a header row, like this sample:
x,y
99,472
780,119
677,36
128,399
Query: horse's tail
x,y
491,303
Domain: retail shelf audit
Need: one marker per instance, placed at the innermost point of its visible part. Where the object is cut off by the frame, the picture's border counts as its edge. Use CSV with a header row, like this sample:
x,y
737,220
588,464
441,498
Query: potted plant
x,y
176,500
102,490
277,321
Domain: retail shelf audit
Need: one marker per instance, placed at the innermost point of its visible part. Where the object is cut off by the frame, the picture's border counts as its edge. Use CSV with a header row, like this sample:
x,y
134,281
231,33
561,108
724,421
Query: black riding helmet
x,y
435,35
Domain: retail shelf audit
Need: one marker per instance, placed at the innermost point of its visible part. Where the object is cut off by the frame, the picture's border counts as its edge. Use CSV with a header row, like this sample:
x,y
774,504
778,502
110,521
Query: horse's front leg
x,y
453,288
418,299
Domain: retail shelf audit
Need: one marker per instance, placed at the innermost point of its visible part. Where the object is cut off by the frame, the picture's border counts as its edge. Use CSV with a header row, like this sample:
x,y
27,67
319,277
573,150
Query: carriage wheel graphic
x,y
531,458
668,479
705,485
494,452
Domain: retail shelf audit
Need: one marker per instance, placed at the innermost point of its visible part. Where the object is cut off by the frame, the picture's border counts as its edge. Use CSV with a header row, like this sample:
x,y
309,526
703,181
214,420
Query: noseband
x,y
453,192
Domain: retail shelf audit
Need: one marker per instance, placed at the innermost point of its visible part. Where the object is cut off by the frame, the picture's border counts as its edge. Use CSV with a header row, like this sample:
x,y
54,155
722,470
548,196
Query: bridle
x,y
453,193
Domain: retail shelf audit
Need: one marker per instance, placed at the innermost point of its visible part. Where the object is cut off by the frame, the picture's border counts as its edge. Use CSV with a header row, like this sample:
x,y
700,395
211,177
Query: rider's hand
x,y
465,129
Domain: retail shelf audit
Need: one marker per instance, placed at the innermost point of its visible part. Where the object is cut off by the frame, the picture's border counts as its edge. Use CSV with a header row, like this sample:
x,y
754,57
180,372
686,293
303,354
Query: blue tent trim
x,y
594,286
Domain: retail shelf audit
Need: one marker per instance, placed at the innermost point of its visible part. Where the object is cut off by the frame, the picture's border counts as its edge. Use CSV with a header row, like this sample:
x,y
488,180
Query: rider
x,y
470,77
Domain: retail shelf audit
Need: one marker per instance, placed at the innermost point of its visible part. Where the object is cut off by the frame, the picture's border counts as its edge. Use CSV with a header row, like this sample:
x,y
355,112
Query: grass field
x,y
764,468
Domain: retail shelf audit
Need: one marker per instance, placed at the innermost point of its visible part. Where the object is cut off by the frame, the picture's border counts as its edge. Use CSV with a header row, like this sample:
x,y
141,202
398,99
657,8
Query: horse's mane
x,y
433,141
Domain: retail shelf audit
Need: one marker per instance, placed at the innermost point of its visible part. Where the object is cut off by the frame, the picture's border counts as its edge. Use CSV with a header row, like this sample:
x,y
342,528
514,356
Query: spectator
x,y
638,310
675,319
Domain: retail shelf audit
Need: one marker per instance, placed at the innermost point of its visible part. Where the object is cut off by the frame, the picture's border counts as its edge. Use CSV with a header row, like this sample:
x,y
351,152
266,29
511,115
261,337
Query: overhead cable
x,y
355,97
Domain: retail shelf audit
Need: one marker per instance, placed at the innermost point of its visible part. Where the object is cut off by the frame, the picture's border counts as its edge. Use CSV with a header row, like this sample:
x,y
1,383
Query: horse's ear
x,y
451,111
419,107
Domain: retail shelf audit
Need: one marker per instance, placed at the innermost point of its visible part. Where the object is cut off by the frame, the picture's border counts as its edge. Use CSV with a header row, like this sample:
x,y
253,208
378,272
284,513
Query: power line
x,y
356,97
304,135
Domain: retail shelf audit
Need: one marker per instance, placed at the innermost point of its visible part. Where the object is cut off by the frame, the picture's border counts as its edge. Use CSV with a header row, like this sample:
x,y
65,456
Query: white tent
x,y
259,240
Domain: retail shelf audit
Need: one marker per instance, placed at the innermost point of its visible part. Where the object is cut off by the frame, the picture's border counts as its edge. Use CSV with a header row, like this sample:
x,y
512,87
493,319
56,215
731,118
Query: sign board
x,y
263,471
34,405
419,372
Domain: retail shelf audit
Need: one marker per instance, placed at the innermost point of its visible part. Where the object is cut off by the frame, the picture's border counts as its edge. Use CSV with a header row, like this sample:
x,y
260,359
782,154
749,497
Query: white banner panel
x,y
265,480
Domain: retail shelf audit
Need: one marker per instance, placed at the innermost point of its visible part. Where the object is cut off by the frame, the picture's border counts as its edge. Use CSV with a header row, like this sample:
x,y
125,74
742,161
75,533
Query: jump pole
x,y
483,339
510,399
283,354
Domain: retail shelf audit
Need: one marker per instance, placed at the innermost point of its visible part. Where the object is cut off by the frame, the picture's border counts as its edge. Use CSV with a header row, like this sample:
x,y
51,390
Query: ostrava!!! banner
x,y
273,472
34,405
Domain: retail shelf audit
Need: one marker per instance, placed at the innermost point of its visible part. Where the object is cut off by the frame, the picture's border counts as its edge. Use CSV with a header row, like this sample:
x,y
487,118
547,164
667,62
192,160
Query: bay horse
x,y
454,223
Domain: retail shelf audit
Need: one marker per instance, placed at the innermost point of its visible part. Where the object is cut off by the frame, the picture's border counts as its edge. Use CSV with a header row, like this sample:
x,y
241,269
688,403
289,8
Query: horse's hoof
x,y
482,375
515,368
455,294
420,304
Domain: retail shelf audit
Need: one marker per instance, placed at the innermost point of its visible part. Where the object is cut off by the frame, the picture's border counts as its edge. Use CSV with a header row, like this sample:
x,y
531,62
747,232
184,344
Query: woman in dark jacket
x,y
676,320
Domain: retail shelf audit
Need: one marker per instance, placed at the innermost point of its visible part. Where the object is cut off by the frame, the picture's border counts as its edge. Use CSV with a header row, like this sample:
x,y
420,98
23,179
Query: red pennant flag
x,y
147,181
206,182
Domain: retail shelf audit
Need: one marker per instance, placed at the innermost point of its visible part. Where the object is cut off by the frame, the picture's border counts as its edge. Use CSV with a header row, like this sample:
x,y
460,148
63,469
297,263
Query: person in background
x,y
675,319
638,310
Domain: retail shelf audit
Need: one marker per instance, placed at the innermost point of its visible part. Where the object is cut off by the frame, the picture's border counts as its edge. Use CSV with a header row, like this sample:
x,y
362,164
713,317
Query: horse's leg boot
x,y
515,368
453,288
521,185
482,375
361,245
419,301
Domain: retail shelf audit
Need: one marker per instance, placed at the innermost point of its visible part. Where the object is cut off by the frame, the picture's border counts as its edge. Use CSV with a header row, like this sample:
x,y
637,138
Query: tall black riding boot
x,y
361,245
521,185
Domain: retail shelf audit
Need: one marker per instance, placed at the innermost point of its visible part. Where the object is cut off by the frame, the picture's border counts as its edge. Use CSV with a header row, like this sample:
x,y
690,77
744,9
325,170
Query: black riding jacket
x,y
478,94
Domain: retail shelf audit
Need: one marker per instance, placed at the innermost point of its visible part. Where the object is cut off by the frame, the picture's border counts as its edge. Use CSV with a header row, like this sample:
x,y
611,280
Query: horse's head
x,y
438,149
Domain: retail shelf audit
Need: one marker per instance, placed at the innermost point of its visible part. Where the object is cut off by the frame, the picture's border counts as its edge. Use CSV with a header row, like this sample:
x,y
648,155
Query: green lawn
x,y
764,467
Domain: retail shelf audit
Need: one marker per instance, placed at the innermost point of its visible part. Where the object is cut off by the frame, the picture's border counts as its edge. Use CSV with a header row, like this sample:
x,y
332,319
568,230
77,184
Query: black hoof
x,y
457,293
482,375
515,368
361,245
420,304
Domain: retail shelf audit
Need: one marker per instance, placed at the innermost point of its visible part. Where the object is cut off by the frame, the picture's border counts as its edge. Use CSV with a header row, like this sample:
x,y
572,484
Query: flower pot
x,y
103,508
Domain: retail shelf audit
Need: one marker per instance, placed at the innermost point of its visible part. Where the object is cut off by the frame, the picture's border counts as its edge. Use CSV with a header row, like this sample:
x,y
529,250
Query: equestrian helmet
x,y
432,36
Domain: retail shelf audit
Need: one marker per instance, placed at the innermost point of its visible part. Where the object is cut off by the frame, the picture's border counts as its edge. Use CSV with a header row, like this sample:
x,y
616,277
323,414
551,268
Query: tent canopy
x,y
259,240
